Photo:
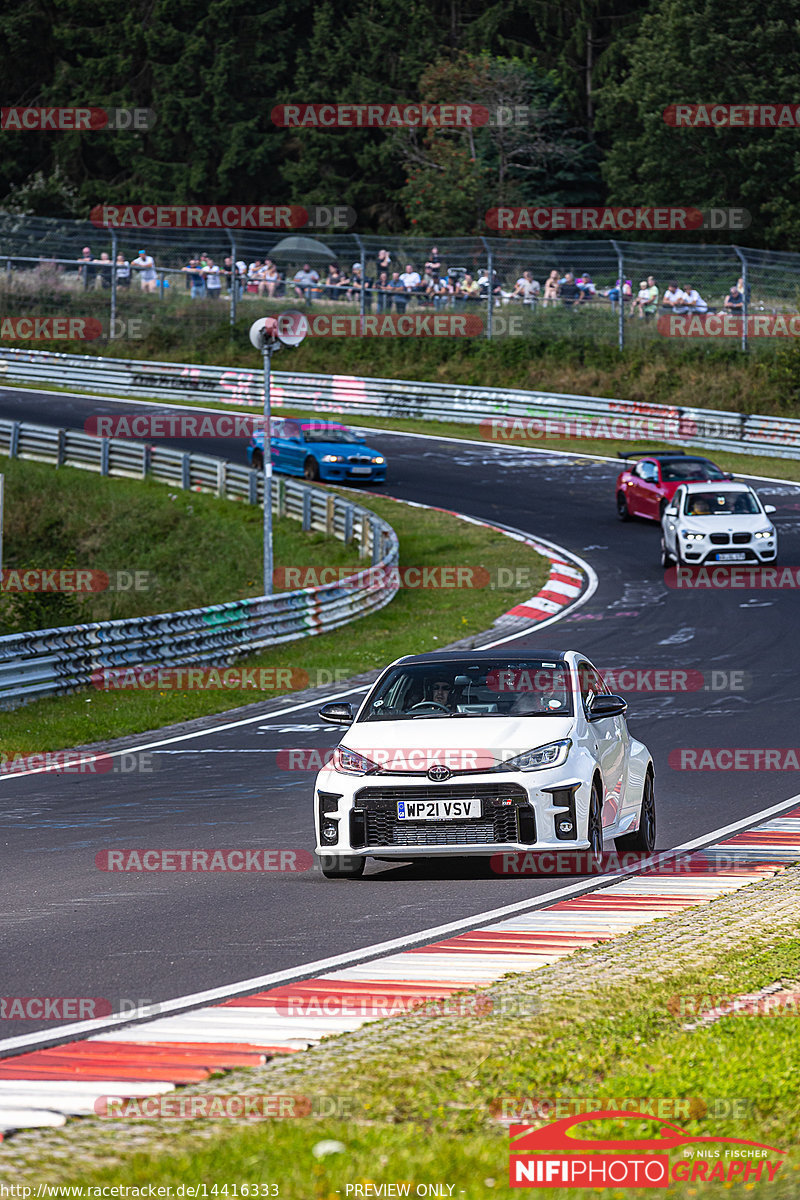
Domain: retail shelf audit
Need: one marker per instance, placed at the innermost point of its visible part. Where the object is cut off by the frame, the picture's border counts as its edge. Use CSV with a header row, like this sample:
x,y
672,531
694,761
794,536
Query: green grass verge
x,y
416,620
162,550
422,1099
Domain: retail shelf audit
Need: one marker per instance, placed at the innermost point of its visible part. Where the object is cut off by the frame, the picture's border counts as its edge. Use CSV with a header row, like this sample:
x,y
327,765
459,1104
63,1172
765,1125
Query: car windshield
x,y
680,470
721,504
500,687
329,433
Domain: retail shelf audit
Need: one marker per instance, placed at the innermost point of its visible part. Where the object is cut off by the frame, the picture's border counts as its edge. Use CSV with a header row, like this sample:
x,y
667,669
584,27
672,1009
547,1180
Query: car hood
x,y
745,523
460,743
257,439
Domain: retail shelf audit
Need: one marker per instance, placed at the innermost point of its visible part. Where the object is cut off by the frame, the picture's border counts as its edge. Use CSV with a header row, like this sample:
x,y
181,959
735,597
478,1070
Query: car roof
x,y
728,484
481,656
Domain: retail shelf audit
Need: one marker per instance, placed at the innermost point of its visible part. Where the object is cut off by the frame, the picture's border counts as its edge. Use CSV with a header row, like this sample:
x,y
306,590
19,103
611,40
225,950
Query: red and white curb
x,y
45,1086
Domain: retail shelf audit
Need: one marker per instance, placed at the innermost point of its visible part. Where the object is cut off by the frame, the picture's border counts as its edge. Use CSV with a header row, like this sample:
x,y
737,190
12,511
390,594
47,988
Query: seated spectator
x,y
333,282
734,301
568,292
483,286
586,287
304,280
397,292
253,270
442,292
642,297
384,263
195,279
410,279
467,290
123,271
147,268
526,289
269,279
674,298
550,289
694,301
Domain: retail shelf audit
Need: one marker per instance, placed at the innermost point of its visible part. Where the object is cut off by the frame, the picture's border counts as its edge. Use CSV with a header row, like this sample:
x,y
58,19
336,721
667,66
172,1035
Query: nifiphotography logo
x,y
549,1156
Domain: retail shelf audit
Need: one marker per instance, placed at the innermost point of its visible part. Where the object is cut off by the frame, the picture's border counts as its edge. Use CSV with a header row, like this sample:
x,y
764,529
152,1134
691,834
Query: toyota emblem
x,y
439,773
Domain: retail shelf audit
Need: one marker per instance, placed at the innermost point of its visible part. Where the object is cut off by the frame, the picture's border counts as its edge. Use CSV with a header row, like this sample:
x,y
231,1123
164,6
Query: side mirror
x,y
607,706
729,475
770,508
337,713
670,512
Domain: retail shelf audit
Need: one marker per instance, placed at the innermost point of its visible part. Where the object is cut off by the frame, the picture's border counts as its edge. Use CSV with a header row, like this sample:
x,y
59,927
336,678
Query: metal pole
x,y
490,298
267,348
743,261
363,253
113,285
234,280
621,323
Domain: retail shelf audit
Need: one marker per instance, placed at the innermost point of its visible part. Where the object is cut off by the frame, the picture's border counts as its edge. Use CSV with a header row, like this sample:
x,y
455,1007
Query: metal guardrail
x,y
45,662
710,428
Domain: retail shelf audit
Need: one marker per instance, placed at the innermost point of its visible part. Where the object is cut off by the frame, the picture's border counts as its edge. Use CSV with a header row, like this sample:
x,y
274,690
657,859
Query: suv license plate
x,y
438,810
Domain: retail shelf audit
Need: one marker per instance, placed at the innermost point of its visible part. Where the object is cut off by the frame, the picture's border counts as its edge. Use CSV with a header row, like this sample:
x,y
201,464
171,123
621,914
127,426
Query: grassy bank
x,y
416,620
555,355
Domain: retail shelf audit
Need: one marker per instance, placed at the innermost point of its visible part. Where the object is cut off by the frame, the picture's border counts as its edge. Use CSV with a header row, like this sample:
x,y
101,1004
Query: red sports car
x,y
646,488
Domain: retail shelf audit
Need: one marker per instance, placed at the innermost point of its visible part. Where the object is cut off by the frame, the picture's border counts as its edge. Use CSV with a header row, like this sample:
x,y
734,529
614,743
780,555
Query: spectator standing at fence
x,y
550,289
674,298
195,279
148,276
213,279
433,266
123,271
104,270
86,269
384,301
734,302
384,263
333,281
744,289
694,301
356,282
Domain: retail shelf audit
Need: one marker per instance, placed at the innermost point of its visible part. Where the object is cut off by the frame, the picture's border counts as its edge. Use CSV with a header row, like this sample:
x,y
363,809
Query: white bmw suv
x,y
723,522
481,752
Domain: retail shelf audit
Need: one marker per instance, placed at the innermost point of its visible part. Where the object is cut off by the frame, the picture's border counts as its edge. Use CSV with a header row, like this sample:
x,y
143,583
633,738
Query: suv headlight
x,y
692,537
765,533
554,754
347,762
333,458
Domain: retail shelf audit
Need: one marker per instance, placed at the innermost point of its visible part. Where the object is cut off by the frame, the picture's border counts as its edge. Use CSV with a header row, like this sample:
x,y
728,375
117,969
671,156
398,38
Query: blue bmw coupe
x,y
318,450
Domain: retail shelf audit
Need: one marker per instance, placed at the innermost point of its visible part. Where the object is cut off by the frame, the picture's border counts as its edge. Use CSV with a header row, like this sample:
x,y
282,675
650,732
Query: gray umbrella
x,y
302,250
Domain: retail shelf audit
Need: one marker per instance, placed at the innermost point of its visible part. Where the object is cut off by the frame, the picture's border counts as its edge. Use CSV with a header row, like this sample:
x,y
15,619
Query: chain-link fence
x,y
124,284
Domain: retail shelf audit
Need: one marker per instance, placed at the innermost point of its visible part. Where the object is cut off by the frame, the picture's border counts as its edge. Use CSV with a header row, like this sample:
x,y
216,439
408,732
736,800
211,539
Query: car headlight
x,y
554,754
692,537
333,458
379,459
348,762
765,533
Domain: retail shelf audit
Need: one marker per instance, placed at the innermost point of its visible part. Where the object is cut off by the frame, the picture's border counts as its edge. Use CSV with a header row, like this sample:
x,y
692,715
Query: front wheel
x,y
594,830
342,866
311,469
257,461
622,507
644,838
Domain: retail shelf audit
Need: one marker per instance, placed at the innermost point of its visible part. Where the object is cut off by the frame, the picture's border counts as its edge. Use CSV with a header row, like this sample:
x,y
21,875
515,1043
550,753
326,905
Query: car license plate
x,y
730,556
438,810
361,470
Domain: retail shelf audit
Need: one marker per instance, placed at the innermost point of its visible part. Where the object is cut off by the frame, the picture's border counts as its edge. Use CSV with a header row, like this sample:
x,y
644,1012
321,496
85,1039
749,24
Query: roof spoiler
x,y
648,453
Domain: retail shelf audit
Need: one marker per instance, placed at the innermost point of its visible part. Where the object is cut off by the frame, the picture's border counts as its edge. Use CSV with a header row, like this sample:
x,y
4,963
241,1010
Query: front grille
x,y
359,460
739,539
377,821
719,539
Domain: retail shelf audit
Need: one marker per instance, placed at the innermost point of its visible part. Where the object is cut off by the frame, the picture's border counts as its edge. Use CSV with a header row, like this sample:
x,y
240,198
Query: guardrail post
x,y
363,536
306,510
13,447
146,456
376,545
348,524
252,487
330,513
281,497
104,456
222,478
186,471
60,448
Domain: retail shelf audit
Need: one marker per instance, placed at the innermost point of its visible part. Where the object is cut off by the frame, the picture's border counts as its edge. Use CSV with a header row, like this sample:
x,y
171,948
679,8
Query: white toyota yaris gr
x,y
481,752
723,522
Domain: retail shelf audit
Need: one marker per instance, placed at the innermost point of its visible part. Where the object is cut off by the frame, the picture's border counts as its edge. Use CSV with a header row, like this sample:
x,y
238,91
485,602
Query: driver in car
x,y
442,693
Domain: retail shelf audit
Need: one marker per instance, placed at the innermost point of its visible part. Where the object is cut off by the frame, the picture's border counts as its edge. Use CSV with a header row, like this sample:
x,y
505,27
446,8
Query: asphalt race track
x,y
69,929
